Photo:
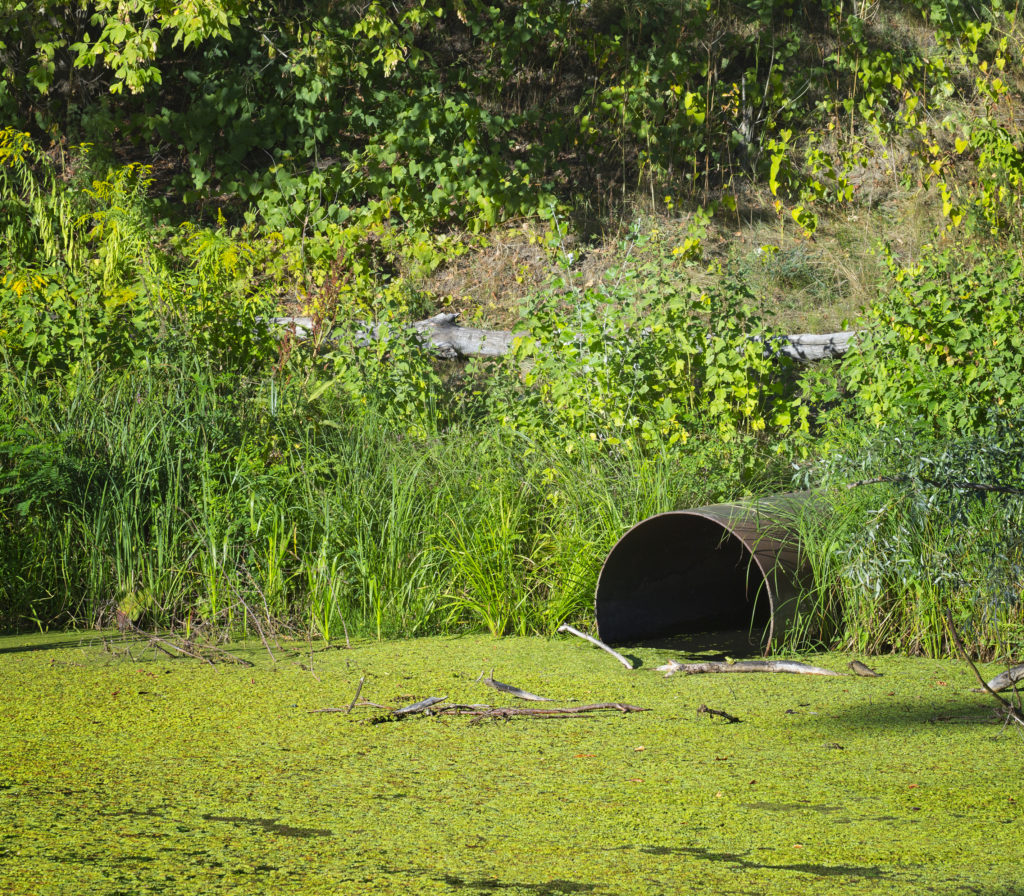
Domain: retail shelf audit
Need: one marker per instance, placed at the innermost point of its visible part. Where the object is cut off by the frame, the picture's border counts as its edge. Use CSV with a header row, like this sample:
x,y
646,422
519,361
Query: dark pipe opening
x,y
712,569
679,574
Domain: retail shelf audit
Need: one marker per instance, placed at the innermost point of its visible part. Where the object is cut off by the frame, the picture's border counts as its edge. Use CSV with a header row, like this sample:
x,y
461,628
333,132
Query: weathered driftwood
x,y
671,667
449,340
414,708
596,643
434,706
508,688
1007,679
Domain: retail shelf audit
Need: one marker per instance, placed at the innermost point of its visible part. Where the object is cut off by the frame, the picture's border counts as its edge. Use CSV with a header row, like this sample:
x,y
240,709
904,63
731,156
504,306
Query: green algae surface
x,y
136,773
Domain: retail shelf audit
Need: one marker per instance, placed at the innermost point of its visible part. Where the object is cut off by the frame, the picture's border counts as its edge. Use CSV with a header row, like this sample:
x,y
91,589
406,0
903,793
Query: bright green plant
x,y
39,217
385,368
644,355
54,321
946,342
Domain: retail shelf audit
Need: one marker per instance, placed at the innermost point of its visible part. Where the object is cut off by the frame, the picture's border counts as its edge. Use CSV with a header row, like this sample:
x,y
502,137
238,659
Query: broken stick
x,y
508,688
707,710
596,643
359,690
414,708
508,712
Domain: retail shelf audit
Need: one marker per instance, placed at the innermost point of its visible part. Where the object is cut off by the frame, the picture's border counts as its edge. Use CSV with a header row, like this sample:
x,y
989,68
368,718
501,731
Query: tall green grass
x,y
176,496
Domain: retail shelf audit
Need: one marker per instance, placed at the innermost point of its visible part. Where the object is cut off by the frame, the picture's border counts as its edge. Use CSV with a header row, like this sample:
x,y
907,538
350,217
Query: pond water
x,y
124,771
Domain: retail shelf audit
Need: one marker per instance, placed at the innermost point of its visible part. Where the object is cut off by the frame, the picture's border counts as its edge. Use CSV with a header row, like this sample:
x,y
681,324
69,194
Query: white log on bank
x,y
449,340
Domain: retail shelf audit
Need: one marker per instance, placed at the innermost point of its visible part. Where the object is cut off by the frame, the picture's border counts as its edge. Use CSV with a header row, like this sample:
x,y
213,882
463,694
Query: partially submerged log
x,y
671,667
1007,679
447,339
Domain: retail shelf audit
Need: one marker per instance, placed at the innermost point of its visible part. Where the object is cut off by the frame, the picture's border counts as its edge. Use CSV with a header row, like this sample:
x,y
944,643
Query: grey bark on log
x,y
672,667
444,336
1007,679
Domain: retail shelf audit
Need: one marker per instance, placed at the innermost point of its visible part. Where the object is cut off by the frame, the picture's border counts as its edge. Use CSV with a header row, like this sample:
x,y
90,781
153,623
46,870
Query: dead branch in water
x,y
508,688
508,712
359,690
1009,710
413,708
671,667
596,643
706,710
434,706
186,647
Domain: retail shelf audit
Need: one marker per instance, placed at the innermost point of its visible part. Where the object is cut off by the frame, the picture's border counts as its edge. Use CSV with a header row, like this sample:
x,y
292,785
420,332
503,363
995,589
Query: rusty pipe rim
x,y
706,569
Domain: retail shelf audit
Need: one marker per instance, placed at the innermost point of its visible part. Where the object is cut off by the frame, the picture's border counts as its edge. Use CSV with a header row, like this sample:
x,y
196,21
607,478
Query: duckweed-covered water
x,y
135,774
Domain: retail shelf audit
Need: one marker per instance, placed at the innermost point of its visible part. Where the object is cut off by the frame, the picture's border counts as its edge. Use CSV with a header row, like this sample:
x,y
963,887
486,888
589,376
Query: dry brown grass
x,y
803,285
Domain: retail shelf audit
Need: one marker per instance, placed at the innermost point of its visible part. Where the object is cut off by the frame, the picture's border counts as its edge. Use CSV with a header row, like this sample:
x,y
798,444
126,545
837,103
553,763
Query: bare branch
x,y
596,643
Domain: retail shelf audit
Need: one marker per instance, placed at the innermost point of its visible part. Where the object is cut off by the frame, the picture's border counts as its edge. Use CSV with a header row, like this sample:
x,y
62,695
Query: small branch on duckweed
x,y
479,711
359,690
671,667
596,643
706,710
508,712
508,688
413,708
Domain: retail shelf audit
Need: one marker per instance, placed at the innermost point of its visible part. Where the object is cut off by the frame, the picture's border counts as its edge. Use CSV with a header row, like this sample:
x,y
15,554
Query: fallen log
x,y
447,339
671,667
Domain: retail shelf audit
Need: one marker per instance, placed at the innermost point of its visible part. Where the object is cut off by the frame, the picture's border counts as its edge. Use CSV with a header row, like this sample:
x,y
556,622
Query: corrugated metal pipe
x,y
726,566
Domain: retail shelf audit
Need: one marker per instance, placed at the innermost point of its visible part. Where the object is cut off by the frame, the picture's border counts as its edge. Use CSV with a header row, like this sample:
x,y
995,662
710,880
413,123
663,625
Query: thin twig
x,y
706,710
359,690
1013,712
596,643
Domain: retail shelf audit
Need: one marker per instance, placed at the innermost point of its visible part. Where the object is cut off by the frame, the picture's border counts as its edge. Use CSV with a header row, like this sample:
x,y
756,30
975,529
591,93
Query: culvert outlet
x,y
726,566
